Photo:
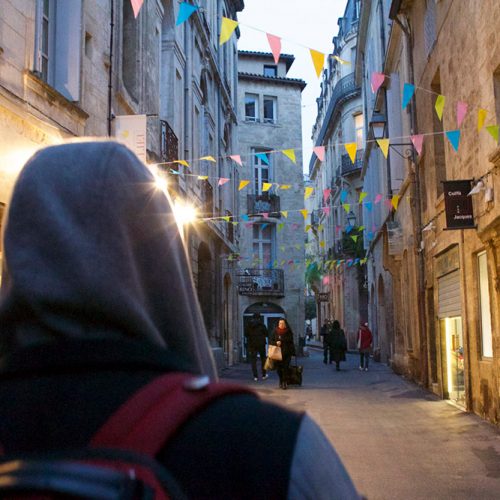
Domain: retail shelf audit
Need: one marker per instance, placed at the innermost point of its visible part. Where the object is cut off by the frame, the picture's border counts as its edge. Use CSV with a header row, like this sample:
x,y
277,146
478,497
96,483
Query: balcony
x,y
348,167
262,282
258,204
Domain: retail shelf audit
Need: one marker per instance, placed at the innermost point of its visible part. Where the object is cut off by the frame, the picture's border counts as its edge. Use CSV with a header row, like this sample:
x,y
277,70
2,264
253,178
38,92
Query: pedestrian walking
x,y
283,337
325,334
364,342
308,332
256,334
338,344
97,306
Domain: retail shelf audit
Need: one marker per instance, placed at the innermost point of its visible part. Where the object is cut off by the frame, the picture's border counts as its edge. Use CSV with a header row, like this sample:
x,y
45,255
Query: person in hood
x,y
96,301
256,334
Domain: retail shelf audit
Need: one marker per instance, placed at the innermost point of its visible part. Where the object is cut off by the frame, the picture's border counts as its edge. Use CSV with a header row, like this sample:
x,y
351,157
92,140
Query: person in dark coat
x,y
256,334
338,344
325,334
283,337
96,302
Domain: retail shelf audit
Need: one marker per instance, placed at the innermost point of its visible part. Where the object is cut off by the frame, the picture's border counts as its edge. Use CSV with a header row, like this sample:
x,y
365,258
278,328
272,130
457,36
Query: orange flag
x,y
318,61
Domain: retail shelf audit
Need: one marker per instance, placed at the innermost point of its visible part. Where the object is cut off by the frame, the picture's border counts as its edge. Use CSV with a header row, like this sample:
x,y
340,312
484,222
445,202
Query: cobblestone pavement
x,y
396,440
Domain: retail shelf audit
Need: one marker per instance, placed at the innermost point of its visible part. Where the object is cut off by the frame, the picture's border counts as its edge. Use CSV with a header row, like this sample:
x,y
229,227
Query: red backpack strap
x,y
147,420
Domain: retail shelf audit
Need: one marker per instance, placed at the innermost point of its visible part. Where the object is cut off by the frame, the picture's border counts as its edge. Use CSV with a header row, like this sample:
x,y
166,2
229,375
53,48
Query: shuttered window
x,y
449,300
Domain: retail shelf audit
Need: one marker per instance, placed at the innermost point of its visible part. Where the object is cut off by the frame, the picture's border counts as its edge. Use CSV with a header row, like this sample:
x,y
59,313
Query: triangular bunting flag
x,y
362,196
395,201
384,146
263,157
226,218
326,211
185,11
266,186
319,151
354,238
418,142
284,213
318,61
481,117
347,207
245,217
226,29
209,158
343,195
321,227
461,112
202,177
136,6
285,186
378,198
275,44
341,61
222,181
308,227
368,205
454,138
322,245
408,91
326,194
377,81
243,184
351,148
181,162
266,216
493,131
290,153
281,225
439,106
304,213
308,192
237,159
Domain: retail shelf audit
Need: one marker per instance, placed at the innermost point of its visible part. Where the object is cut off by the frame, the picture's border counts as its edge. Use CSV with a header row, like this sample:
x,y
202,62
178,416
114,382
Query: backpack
x,y
119,462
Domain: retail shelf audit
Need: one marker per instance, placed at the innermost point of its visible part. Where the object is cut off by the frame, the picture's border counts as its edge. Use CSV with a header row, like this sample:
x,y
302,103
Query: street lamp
x,y
378,126
351,218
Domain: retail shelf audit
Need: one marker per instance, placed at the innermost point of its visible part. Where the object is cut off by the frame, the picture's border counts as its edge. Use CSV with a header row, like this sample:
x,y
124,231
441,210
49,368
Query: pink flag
x,y
326,194
388,203
222,181
326,210
237,159
320,152
378,198
326,280
136,6
377,81
418,142
275,44
337,229
249,224
461,112
265,215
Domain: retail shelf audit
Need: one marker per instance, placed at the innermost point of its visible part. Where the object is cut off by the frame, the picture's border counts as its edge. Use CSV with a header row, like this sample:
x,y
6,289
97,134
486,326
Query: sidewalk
x,y
396,440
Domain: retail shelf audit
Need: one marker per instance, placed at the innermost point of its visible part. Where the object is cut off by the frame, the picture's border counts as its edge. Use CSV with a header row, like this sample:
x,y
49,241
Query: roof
x,y
273,79
288,58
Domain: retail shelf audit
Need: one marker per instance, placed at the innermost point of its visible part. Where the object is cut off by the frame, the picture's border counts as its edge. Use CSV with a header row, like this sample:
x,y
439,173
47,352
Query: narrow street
x,y
396,440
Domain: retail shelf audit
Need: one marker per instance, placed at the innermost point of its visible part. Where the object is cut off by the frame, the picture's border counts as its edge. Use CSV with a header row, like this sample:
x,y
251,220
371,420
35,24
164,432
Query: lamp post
x,y
351,218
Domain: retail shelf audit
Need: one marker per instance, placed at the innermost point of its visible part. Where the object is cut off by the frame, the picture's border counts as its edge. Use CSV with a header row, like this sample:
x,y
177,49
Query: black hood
x,y
92,250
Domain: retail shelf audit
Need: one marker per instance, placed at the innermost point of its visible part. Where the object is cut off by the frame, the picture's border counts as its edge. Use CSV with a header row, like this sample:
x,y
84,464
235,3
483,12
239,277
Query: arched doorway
x,y
205,286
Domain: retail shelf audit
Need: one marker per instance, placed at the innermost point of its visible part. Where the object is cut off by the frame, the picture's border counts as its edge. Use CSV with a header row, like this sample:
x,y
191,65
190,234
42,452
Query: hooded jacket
x,y
96,301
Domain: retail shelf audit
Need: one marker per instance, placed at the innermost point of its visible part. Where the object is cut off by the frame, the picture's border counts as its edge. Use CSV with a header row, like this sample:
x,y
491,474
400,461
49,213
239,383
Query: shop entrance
x,y
453,359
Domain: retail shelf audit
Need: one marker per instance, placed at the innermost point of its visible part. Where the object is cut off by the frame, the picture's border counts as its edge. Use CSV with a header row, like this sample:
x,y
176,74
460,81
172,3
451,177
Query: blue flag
x,y
408,91
263,157
454,138
185,11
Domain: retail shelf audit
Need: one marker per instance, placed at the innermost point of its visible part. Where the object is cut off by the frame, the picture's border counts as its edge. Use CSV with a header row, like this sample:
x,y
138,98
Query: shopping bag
x,y
269,365
274,352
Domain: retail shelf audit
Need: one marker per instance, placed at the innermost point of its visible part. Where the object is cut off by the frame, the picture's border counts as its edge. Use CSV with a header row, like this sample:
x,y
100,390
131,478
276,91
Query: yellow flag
x,y
243,184
481,117
226,218
226,29
209,158
320,227
284,213
308,227
322,244
266,186
290,153
347,207
304,213
309,191
395,201
363,195
384,146
182,162
341,61
202,177
318,60
285,186
351,148
440,106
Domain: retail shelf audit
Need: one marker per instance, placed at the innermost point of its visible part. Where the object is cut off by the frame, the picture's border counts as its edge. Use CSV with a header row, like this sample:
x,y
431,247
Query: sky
x,y
301,24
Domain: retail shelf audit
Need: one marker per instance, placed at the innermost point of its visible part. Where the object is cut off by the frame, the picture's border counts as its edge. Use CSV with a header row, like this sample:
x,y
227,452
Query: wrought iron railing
x,y
262,282
348,167
264,203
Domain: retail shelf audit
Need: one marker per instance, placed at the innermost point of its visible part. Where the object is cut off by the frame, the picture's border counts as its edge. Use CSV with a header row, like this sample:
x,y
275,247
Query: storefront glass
x,y
453,362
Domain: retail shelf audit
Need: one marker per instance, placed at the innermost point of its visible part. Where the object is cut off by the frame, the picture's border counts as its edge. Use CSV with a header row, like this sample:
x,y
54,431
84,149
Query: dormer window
x,y
270,70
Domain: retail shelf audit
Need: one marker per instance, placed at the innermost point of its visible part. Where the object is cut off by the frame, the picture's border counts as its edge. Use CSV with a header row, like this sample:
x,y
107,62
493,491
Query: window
x,y
430,26
58,45
270,70
484,306
263,248
358,127
251,108
270,109
261,169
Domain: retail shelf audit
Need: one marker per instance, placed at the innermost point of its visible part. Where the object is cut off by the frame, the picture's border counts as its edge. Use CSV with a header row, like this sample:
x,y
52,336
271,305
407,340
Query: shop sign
x,y
395,237
458,205
324,297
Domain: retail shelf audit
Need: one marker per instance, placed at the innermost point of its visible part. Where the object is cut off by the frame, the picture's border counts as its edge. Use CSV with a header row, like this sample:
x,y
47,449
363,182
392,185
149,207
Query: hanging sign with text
x,y
458,205
324,297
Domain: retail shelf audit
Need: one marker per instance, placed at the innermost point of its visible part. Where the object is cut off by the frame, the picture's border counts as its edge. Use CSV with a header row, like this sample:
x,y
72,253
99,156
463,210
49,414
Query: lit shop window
x,y
484,306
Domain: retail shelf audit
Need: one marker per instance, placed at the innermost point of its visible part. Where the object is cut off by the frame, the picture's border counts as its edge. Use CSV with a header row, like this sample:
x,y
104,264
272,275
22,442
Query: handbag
x,y
274,352
269,364
295,373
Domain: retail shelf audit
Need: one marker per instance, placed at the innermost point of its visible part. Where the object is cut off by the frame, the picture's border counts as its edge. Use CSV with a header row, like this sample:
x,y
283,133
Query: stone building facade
x,y
81,68
443,281
271,265
340,121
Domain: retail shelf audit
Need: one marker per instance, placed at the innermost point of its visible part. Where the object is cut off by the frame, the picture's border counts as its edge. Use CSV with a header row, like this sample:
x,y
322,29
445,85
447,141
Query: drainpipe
x,y
110,77
417,214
